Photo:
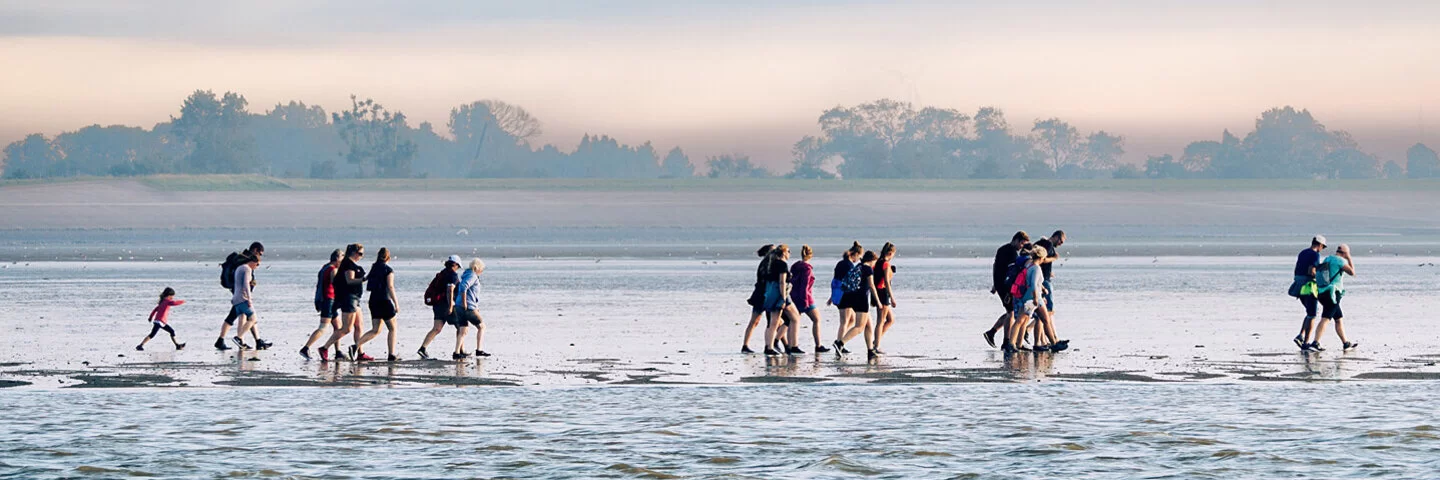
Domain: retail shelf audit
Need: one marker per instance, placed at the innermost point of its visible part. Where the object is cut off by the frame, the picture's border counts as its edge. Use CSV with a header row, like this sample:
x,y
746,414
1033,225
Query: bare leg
x,y
772,328
480,336
1340,331
1319,331
370,335
434,330
846,317
792,335
345,326
814,314
460,338
750,329
315,335
390,336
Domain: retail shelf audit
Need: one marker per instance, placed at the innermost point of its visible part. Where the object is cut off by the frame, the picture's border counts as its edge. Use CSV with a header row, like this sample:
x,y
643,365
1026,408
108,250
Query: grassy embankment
x,y
178,183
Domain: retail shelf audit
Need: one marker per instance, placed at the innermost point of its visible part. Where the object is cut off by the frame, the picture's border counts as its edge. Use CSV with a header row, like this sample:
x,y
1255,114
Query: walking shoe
x,y
179,346
364,357
1316,347
746,349
1305,347
1007,348
392,358
770,352
989,337
459,356
1060,346
240,343
340,355
839,347
139,348
354,349
305,352
794,351
482,353
821,349
871,354
1350,345
1299,342
424,355
324,354
220,344
261,344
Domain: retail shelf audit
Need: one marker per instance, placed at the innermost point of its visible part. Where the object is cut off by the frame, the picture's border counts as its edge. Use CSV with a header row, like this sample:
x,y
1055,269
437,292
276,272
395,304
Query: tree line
x,y
491,138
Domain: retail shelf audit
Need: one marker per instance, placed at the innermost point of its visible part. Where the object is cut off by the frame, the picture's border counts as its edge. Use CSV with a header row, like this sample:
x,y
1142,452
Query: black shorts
x,y
1331,306
1309,302
856,301
443,313
1005,300
884,294
466,317
348,303
381,308
230,317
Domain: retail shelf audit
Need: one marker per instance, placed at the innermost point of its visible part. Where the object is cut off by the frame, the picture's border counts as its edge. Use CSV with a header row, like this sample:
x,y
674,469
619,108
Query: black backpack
x,y
227,269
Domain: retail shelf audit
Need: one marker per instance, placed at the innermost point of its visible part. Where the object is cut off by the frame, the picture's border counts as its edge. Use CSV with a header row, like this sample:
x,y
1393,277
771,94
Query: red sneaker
x,y
365,357
324,354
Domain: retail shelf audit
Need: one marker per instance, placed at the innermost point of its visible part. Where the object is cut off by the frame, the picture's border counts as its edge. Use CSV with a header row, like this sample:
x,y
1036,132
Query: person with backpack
x,y
849,262
243,302
227,280
859,294
884,276
325,304
1330,288
159,319
1027,288
775,272
757,297
1303,287
1004,258
348,282
383,304
440,296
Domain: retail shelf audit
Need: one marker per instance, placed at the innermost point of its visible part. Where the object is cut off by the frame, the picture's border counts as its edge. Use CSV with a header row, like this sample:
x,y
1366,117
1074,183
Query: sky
x,y
740,76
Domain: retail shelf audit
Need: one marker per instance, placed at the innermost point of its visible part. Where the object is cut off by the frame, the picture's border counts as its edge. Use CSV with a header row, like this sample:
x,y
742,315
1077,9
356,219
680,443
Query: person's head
x,y
854,252
1343,250
1037,252
256,249
335,256
1058,238
1317,242
869,257
453,262
806,253
764,250
887,252
477,265
253,261
354,251
383,256
1020,238
781,251
167,293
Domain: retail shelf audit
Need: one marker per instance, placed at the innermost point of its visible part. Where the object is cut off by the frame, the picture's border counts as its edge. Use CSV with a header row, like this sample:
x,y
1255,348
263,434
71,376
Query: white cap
x,y
1320,239
454,258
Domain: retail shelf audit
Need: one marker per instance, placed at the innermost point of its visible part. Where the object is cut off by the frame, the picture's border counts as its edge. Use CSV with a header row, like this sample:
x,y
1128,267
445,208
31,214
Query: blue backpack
x,y
852,279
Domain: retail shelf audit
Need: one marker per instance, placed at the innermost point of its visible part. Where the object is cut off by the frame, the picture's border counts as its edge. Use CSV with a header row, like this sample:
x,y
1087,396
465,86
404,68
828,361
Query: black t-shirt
x,y
343,287
771,269
842,269
1049,251
866,273
376,282
1003,258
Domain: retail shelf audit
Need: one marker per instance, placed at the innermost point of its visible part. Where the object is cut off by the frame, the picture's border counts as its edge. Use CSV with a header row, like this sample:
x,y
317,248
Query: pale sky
x,y
745,76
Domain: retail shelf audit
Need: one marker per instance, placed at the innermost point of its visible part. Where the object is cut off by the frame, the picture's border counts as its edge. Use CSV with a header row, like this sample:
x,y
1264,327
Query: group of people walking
x,y
784,292
340,284
1321,281
1021,276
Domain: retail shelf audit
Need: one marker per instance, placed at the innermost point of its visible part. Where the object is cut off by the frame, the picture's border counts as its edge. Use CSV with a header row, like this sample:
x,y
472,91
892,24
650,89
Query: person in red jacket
x,y
159,319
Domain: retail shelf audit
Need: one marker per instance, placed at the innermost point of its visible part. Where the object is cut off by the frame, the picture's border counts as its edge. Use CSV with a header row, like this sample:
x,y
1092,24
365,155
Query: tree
x,y
213,129
677,164
513,119
294,139
1163,166
31,157
1059,143
113,150
1351,163
891,139
1421,162
809,159
1392,170
734,166
1102,151
373,137
1287,143
995,152
1127,171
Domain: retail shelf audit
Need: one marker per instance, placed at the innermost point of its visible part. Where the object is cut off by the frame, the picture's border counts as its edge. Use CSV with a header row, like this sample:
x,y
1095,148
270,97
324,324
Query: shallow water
x,y
1111,430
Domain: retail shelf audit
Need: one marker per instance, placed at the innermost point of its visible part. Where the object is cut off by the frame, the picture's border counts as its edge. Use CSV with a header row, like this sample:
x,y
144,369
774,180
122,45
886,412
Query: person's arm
x,y
153,313
784,285
874,295
351,279
464,296
890,283
450,297
1349,266
390,291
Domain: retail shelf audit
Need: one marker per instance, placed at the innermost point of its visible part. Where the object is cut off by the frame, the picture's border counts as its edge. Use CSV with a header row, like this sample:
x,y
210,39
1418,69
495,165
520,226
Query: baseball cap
x,y
454,258
1320,239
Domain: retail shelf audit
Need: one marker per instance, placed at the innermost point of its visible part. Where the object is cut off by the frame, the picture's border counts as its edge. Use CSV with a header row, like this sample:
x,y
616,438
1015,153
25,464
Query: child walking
x,y
158,319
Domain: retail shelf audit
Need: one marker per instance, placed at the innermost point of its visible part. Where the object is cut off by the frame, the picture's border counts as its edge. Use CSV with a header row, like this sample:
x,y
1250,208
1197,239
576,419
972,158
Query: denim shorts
x,y
244,308
349,303
327,308
1049,296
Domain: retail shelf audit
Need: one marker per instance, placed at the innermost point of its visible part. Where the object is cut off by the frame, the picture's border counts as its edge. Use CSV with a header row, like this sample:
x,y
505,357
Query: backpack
x,y
1021,285
851,283
227,270
435,292
1016,267
1323,277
